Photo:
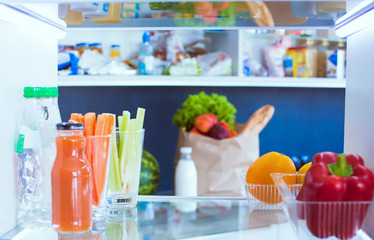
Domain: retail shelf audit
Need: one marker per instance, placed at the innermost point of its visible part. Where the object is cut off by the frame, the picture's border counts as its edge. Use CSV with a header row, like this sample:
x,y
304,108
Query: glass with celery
x,y
125,164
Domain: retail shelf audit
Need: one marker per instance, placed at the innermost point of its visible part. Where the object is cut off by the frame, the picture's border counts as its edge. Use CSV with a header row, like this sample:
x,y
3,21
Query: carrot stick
x,y
99,128
109,123
75,116
89,122
102,150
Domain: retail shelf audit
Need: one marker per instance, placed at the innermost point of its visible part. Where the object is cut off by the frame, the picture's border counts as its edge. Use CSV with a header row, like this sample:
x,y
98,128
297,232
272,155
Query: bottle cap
x,y
32,92
186,150
115,46
146,36
95,45
341,44
310,41
69,126
287,62
83,44
325,42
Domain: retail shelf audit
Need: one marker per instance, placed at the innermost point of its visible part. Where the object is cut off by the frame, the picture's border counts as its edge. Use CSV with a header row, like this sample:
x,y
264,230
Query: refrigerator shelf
x,y
213,81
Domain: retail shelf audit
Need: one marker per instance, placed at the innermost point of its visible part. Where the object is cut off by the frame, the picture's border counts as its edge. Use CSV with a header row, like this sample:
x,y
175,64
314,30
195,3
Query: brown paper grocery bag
x,y
219,163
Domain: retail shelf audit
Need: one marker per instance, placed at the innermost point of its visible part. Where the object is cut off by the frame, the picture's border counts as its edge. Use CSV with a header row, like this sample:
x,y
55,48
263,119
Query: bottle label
x,y
20,143
148,61
46,113
106,7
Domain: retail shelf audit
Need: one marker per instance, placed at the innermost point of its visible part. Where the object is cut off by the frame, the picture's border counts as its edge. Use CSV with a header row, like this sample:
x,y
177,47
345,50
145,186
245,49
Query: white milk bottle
x,y
186,180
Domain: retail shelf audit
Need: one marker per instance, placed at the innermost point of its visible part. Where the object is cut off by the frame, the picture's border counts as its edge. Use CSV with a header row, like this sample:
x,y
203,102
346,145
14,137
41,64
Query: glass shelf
x,y
160,217
213,81
296,37
227,15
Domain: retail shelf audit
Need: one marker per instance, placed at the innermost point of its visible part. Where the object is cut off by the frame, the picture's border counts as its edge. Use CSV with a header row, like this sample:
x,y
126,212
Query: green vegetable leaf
x,y
198,104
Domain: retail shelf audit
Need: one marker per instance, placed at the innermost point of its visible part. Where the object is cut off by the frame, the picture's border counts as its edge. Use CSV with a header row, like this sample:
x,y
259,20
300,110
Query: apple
x,y
203,123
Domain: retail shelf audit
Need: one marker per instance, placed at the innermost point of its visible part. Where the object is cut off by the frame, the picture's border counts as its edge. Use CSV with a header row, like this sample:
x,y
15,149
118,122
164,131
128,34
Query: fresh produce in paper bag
x,y
199,104
208,125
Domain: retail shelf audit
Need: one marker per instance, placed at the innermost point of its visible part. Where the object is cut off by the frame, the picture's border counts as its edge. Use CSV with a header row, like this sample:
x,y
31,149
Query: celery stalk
x,y
114,174
133,157
140,118
119,121
124,136
123,125
130,171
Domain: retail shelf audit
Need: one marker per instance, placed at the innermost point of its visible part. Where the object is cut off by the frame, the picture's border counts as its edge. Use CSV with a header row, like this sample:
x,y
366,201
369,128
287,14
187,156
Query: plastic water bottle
x,y
33,161
186,180
146,59
52,115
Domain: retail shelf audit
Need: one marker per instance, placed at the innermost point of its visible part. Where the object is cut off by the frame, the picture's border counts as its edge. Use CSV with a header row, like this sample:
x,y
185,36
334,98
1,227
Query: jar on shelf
x,y
96,47
81,47
310,55
322,48
115,51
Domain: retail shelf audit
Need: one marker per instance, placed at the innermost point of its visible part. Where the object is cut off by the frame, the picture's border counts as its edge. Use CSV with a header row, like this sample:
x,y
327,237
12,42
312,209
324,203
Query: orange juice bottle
x,y
71,181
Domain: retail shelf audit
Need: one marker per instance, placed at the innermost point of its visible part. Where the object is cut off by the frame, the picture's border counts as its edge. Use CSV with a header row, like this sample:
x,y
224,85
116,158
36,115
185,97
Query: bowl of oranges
x,y
260,189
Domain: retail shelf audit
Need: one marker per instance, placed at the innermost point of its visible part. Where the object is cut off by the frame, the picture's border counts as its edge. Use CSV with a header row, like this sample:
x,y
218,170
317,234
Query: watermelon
x,y
149,174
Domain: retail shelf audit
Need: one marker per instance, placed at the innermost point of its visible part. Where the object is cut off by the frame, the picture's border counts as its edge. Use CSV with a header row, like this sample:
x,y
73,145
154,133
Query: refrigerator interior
x,y
34,63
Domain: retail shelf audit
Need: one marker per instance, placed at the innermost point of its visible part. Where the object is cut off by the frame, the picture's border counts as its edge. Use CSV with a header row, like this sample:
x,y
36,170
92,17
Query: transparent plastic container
x,y
73,17
114,15
321,220
63,10
261,196
84,6
101,11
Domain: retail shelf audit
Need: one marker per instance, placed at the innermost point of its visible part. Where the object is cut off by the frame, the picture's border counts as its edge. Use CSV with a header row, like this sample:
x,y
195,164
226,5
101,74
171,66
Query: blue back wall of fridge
x,y
306,120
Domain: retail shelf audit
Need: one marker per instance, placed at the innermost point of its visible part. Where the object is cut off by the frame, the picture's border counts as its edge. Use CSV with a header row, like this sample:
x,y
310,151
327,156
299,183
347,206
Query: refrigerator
x,y
29,34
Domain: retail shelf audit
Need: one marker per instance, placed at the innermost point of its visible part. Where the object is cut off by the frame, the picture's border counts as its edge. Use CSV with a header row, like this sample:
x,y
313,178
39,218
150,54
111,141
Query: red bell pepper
x,y
331,182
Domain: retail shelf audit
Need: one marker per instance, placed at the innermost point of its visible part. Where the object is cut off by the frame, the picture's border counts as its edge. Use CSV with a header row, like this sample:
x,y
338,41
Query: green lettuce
x,y
202,103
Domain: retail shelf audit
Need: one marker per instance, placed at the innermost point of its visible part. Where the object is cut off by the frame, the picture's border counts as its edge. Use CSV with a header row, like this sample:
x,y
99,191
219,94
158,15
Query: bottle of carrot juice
x,y
71,181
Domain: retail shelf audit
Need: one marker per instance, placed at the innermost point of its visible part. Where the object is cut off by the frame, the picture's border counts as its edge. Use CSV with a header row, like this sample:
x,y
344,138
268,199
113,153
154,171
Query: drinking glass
x,y
98,151
125,169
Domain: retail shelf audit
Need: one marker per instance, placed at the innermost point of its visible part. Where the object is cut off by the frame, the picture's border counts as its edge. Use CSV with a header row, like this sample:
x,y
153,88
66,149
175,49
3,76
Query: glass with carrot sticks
x,y
98,132
97,151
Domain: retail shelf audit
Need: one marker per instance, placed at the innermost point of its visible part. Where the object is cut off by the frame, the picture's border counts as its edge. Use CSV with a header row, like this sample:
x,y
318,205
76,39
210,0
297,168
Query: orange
x,y
259,174
303,170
